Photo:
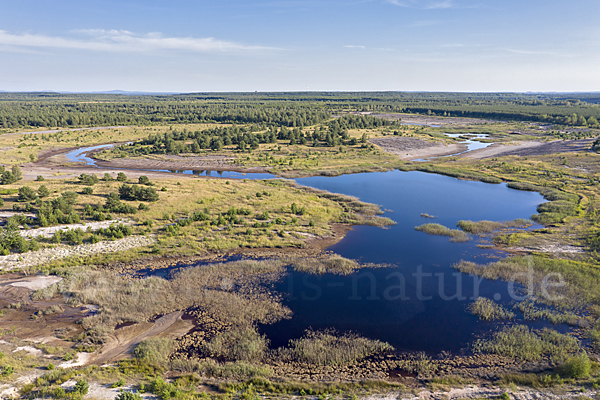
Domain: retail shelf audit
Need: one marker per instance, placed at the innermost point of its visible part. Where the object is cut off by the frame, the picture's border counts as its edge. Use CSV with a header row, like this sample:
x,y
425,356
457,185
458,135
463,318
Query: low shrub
x,y
576,367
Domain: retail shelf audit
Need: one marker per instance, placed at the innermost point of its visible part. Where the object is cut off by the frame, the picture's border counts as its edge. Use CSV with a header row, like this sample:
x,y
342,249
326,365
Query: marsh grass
x,y
239,344
125,300
331,264
483,227
228,370
154,350
452,172
531,312
455,235
287,388
488,310
331,348
518,341
559,206
582,280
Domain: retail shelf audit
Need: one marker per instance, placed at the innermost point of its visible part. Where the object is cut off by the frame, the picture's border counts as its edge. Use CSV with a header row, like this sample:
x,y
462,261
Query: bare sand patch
x,y
46,255
80,360
37,282
51,230
534,148
408,148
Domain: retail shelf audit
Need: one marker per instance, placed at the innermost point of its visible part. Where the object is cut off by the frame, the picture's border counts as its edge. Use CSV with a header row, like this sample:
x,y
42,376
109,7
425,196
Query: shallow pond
x,y
418,305
472,143
81,154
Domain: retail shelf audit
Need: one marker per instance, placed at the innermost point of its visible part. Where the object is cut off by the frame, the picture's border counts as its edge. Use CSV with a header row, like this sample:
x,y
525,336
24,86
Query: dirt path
x,y
125,341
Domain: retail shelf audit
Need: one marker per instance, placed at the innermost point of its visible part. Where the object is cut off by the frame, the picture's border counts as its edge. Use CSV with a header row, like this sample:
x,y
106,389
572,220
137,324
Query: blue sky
x,y
295,45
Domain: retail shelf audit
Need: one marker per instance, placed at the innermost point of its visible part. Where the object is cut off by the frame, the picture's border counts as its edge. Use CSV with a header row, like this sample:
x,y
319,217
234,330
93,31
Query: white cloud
x,y
352,46
124,41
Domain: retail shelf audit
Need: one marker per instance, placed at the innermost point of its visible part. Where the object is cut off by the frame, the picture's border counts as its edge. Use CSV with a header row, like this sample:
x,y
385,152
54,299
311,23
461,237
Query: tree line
x,y
301,109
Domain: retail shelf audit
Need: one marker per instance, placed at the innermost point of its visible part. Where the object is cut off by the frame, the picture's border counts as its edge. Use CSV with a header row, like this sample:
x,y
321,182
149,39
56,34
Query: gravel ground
x,y
43,256
51,230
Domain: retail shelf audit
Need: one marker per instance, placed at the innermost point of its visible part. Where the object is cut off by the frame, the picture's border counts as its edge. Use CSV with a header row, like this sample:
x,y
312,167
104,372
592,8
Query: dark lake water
x,y
419,305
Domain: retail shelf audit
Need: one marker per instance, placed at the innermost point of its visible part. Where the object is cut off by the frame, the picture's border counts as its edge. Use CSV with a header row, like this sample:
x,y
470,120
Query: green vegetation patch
x,y
489,310
455,235
331,348
518,341
483,227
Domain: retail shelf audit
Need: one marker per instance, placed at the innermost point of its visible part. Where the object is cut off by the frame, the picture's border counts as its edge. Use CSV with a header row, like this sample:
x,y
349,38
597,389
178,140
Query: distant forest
x,y
294,109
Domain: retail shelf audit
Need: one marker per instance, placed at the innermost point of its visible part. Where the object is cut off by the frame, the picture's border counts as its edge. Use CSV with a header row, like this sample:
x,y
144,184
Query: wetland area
x,y
354,254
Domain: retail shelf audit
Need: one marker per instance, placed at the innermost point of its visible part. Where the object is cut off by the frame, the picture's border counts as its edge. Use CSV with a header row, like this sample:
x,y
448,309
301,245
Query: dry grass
x,y
218,288
331,264
19,147
331,348
240,344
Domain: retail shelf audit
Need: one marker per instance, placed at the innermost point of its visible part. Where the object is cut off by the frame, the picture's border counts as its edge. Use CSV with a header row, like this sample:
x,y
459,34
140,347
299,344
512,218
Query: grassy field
x,y
18,148
192,216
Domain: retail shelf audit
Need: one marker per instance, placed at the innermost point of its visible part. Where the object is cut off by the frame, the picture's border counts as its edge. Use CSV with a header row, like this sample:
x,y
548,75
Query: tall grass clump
x,y
582,280
238,344
531,312
455,235
489,310
331,348
332,264
519,342
154,351
483,227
